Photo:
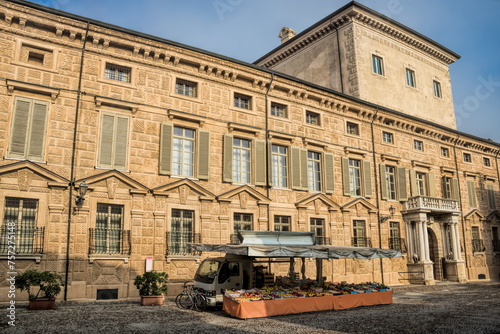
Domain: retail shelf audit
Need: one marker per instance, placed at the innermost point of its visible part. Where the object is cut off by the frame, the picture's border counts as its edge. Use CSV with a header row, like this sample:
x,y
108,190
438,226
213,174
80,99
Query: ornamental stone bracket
x,y
13,85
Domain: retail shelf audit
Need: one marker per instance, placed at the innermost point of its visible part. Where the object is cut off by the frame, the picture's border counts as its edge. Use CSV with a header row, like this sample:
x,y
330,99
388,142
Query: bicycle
x,y
191,298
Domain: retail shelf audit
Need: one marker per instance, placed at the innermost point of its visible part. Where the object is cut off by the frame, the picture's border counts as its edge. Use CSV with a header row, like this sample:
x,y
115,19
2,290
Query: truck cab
x,y
216,274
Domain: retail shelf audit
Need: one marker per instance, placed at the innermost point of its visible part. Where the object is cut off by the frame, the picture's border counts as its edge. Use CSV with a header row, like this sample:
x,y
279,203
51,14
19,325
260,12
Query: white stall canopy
x,y
274,244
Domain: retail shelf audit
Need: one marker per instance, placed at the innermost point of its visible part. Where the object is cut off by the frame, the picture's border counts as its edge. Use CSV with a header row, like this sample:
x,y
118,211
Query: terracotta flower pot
x,y
152,300
42,304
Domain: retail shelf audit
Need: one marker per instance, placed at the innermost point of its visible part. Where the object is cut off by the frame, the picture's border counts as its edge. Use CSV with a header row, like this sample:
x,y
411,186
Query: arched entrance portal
x,y
434,256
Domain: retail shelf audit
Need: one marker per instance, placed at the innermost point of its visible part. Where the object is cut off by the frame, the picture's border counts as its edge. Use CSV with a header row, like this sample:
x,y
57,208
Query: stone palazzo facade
x,y
175,144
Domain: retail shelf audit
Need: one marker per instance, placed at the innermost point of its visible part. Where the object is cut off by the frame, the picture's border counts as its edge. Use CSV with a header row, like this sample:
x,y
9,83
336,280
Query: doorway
x,y
434,256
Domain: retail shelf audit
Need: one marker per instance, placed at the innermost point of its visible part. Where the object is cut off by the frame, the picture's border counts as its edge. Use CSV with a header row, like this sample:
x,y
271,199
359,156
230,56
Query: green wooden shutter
x,y
270,165
367,179
295,168
37,133
383,182
20,128
166,148
431,185
329,173
401,184
303,169
106,144
455,190
472,194
260,163
121,142
413,183
345,176
203,154
490,193
227,173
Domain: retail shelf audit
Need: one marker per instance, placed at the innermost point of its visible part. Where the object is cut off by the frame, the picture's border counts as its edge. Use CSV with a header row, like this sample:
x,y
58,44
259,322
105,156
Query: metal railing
x,y
478,245
177,243
322,240
28,240
398,244
109,241
431,203
361,242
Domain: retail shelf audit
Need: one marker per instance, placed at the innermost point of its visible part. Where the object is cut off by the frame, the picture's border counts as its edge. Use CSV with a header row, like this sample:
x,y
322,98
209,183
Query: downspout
x,y
268,172
340,59
72,171
460,203
377,197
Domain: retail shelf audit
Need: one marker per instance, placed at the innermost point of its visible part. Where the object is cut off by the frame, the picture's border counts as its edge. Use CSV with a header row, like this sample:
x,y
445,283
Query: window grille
x,y
109,237
118,73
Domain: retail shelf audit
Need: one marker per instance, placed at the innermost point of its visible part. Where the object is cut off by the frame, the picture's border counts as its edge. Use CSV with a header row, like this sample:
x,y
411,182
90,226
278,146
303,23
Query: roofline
x,y
250,65
372,12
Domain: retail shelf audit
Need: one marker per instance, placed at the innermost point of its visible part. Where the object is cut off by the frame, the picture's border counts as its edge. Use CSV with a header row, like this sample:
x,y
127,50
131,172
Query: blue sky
x,y
248,29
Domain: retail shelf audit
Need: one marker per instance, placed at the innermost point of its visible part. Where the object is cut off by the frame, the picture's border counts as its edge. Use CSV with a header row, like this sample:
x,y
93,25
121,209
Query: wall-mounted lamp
x,y
392,211
82,190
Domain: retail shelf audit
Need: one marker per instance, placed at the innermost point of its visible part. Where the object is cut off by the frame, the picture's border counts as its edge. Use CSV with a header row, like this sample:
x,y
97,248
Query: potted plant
x,y
152,286
48,284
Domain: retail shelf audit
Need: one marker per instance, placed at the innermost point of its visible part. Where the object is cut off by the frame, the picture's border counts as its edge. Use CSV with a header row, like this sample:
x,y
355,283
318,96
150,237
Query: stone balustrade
x,y
432,204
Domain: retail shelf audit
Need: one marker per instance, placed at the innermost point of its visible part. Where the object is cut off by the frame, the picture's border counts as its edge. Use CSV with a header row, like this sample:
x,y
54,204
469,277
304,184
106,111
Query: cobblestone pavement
x,y
449,308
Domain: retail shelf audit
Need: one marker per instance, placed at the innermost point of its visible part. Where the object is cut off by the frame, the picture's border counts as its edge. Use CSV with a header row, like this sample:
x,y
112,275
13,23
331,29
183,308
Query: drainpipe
x,y
268,176
72,171
377,197
460,202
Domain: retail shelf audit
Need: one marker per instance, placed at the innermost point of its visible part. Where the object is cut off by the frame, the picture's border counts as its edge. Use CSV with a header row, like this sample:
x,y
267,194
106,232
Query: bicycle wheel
x,y
200,302
185,301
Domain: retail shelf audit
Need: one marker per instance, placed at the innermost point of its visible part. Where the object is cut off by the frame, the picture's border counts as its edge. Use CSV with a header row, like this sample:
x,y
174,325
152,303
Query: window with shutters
x,y
114,137
242,155
282,223
356,177
314,171
29,123
279,166
490,194
244,161
447,187
421,184
184,152
390,182
471,192
393,183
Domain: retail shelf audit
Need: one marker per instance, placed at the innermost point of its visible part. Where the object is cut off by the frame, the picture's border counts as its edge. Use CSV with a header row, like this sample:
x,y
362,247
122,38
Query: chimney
x,y
286,34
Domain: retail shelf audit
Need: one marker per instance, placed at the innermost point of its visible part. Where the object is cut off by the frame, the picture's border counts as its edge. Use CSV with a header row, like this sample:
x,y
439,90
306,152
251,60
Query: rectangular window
x,y
279,165
242,101
183,152
486,162
118,73
410,78
418,145
241,222
467,157
35,58
109,229
445,152
314,171
490,194
395,240
282,223
471,192
390,182
447,187
318,228
355,177
186,88
312,118
241,160
477,242
113,146
377,65
19,220
437,89
28,129
421,184
352,128
279,110
359,238
182,231
388,137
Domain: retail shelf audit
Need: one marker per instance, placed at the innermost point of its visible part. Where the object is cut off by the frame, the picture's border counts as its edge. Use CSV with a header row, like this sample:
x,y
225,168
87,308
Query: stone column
x,y
426,242
421,234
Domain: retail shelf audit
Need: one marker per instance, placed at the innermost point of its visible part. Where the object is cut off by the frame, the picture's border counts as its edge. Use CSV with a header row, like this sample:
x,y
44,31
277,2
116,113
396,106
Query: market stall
x,y
295,296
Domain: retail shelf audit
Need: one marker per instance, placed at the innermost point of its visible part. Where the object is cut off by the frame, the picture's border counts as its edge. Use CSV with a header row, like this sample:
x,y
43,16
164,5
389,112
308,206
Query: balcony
x,y
322,240
109,241
361,242
397,243
28,240
177,243
432,204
